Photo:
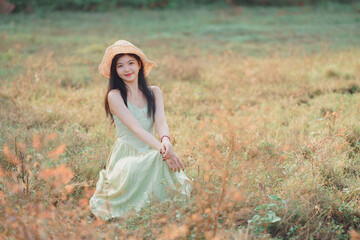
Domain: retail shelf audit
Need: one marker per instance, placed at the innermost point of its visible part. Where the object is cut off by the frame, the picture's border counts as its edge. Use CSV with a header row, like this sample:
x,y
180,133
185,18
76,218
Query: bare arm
x,y
119,108
160,120
163,129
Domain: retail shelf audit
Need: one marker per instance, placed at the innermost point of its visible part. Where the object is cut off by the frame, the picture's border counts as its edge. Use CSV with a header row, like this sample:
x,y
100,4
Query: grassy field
x,y
263,105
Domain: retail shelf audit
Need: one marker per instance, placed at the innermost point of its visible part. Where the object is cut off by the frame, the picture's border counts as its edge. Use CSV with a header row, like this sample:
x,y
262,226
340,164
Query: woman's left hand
x,y
174,162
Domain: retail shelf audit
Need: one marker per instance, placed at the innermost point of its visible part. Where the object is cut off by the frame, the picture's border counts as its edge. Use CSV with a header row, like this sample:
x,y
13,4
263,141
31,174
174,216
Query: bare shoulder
x,y
114,93
115,100
156,90
114,97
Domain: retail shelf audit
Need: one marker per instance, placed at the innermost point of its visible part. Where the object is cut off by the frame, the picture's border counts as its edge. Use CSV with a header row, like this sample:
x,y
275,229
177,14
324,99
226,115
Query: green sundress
x,y
134,173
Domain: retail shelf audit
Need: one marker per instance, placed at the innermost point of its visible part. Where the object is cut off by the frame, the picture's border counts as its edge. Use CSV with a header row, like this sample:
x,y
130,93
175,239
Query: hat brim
x,y
113,50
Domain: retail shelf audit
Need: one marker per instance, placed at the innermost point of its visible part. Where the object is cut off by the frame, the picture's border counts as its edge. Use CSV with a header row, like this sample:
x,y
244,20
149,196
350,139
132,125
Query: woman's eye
x,y
119,66
131,63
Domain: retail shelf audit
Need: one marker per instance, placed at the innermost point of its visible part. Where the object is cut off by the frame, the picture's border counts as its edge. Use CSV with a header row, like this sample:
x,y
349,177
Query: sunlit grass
x,y
260,102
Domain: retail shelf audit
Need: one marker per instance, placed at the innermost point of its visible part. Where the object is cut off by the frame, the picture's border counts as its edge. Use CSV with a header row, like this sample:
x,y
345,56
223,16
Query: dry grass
x,y
246,127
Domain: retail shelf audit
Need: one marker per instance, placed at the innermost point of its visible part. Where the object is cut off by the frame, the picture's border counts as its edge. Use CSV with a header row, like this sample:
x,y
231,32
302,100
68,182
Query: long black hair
x,y
115,82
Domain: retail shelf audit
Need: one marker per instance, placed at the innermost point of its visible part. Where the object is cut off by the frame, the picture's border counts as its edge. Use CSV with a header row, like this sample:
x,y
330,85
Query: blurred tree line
x,y
92,5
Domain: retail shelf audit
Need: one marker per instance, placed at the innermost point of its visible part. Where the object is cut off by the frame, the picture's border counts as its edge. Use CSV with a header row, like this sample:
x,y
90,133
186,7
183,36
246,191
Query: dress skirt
x,y
132,179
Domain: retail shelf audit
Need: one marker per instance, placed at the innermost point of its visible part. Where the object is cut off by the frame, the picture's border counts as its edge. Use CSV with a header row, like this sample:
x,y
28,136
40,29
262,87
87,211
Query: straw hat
x,y
123,46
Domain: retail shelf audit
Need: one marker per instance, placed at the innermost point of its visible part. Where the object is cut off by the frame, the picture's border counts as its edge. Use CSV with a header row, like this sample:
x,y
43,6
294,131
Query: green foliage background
x,y
100,5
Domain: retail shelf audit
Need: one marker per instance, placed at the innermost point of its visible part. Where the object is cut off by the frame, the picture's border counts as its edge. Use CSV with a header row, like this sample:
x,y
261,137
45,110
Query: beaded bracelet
x,y
165,136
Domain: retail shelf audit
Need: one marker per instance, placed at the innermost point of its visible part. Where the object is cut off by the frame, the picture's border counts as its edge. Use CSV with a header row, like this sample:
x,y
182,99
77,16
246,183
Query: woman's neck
x,y
133,87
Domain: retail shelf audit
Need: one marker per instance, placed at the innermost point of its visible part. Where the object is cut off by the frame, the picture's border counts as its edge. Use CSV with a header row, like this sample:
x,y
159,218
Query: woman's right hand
x,y
174,162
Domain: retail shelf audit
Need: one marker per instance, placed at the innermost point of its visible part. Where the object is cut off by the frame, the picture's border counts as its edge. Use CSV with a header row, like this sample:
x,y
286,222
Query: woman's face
x,y
127,67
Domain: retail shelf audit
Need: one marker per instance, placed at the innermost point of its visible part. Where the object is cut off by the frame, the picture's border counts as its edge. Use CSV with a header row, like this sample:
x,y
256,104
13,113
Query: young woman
x,y
139,167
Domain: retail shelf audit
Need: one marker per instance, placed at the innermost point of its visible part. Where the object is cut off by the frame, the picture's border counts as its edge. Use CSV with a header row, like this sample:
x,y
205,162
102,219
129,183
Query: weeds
x,y
238,122
266,215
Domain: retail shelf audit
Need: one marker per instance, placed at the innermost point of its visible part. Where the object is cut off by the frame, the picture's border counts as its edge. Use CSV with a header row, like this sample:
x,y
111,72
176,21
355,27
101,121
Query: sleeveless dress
x,y
134,173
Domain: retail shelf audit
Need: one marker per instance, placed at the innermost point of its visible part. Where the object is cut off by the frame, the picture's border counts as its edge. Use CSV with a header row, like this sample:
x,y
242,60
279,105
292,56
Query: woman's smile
x,y
128,75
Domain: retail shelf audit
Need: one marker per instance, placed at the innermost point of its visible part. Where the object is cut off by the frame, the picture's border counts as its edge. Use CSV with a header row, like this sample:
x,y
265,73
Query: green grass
x,y
249,31
280,85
